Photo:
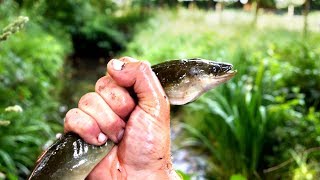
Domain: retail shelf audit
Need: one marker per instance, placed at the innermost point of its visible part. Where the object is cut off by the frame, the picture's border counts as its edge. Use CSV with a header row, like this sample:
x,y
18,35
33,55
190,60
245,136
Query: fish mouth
x,y
222,68
229,74
226,76
232,72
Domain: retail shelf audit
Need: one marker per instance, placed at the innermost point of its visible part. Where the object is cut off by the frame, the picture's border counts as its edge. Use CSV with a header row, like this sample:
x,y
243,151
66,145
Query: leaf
x,y
7,161
238,177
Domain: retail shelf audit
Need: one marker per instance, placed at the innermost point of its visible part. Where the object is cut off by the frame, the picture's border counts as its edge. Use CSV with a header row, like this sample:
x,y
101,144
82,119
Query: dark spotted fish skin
x,y
173,71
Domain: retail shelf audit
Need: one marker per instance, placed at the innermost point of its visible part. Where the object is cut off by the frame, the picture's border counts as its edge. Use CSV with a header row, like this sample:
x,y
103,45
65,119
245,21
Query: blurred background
x,y
263,124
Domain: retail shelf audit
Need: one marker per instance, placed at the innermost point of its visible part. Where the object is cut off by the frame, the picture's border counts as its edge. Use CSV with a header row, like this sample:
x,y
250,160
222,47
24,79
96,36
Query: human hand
x,y
130,107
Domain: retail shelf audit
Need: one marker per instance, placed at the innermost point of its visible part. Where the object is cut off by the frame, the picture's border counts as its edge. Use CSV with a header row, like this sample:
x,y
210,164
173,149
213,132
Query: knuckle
x,y
86,126
70,115
115,122
112,123
145,66
102,83
71,119
78,122
112,127
87,98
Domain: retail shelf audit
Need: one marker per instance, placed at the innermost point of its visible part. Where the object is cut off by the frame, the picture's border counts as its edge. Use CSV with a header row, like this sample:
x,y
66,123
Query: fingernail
x,y
120,135
58,135
102,138
117,65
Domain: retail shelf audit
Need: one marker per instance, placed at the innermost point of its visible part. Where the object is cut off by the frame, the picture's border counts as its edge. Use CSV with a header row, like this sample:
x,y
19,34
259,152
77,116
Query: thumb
x,y
130,73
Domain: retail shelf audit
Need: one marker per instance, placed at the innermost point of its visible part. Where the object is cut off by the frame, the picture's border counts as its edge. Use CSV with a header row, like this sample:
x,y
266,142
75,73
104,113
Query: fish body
x,y
71,158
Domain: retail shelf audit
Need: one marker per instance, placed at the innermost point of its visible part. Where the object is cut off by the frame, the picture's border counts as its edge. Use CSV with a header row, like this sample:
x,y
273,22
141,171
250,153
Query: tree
x,y
305,16
290,4
257,4
220,6
293,3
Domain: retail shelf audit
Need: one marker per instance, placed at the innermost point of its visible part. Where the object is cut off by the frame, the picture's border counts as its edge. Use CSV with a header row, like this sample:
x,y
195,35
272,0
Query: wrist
x,y
168,174
154,175
165,171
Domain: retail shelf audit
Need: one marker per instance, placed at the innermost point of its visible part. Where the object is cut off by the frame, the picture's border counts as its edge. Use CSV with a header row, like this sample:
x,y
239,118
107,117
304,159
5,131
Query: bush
x,y
233,127
31,63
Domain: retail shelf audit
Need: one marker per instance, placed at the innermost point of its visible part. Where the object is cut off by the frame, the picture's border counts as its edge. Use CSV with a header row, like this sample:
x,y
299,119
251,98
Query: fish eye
x,y
194,71
216,69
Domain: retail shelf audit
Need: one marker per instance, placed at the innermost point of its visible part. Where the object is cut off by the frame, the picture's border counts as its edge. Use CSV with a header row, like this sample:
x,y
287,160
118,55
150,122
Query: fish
x,y
183,80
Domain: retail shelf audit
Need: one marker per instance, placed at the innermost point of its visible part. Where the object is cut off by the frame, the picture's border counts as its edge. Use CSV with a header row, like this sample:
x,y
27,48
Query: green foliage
x,y
31,63
295,136
269,109
305,170
183,175
237,177
97,27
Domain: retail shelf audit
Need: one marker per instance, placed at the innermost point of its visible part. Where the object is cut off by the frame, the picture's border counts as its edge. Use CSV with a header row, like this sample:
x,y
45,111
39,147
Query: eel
x,y
184,80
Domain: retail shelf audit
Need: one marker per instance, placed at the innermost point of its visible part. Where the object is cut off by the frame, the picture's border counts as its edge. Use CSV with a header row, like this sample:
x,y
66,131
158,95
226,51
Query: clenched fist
x,y
129,107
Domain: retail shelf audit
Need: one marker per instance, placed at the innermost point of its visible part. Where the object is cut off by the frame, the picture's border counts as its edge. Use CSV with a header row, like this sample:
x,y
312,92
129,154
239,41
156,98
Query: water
x,y
186,159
